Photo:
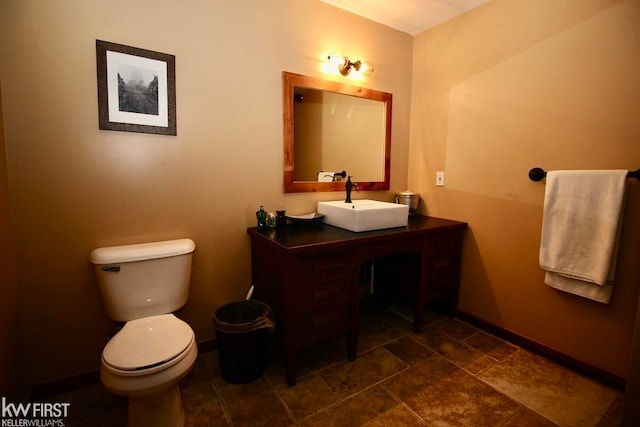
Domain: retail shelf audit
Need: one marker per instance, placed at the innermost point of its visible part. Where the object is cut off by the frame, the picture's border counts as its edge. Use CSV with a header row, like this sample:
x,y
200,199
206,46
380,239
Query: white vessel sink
x,y
364,215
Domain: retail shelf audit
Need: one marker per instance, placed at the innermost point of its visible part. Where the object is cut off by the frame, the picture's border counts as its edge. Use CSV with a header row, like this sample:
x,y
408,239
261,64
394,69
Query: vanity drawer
x,y
320,324
441,265
318,268
324,293
442,243
441,284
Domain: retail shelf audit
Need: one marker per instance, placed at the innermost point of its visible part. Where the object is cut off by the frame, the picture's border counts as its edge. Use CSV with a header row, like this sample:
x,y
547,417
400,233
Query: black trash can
x,y
242,334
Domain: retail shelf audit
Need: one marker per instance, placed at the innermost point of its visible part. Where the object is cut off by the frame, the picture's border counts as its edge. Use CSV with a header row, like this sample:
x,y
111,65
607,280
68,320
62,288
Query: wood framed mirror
x,y
331,128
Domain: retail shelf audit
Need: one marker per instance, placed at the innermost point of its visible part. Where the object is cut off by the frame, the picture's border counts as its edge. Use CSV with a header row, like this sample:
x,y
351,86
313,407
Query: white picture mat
x,y
114,59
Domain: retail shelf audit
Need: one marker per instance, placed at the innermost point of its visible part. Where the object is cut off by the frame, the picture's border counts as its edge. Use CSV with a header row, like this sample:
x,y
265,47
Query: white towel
x,y
580,231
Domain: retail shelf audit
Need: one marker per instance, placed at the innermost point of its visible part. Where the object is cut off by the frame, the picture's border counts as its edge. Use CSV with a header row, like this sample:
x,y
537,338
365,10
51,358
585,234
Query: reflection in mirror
x,y
330,130
330,127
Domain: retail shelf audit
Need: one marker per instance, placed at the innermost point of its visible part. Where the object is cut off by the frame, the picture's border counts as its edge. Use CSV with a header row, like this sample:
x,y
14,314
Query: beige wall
x,y
512,85
74,188
12,368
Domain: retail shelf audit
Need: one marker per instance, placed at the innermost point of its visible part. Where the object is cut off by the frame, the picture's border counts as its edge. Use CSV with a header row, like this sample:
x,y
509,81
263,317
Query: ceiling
x,y
409,16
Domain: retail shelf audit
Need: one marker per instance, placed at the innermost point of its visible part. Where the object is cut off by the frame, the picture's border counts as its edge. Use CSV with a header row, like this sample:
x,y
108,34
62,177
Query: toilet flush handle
x,y
112,268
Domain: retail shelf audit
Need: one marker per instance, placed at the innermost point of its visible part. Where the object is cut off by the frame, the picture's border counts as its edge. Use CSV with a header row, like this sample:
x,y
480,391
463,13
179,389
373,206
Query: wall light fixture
x,y
345,65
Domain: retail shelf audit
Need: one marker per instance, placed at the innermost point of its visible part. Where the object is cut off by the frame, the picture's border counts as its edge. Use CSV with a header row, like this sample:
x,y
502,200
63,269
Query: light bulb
x,y
336,59
366,68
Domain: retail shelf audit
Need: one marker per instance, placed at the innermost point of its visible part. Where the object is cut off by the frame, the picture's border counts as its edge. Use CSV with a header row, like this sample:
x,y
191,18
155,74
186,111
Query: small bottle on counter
x,y
271,220
281,219
261,216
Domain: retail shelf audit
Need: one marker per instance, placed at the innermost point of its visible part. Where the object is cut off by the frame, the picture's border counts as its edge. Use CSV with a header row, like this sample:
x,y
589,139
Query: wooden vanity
x,y
310,274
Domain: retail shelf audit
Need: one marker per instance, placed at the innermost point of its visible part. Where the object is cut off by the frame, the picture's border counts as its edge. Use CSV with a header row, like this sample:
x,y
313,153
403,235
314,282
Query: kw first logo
x,y
38,414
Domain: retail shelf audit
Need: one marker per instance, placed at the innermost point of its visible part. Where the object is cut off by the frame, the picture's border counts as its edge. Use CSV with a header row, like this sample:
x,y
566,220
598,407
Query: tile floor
x,y
450,374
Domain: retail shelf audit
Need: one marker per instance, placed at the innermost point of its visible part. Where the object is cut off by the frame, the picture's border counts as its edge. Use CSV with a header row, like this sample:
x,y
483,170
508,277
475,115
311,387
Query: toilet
x,y
142,285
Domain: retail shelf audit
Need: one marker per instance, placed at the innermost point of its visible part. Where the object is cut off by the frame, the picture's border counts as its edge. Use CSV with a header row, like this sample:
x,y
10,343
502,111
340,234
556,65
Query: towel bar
x,y
538,174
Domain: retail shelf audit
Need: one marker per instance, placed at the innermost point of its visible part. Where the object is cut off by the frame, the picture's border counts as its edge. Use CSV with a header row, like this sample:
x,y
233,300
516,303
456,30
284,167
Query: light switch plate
x,y
439,179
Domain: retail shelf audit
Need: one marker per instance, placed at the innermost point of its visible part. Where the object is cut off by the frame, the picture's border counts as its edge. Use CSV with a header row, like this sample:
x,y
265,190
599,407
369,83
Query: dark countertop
x,y
301,238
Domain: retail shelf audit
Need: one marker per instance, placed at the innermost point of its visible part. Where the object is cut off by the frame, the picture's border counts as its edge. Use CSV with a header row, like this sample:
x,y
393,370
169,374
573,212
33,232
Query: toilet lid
x,y
147,342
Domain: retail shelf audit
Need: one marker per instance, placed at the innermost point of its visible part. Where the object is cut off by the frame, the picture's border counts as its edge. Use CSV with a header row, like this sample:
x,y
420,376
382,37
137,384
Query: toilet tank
x,y
143,279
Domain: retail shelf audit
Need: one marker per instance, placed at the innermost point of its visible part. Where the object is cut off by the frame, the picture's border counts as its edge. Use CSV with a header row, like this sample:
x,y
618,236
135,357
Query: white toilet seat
x,y
148,345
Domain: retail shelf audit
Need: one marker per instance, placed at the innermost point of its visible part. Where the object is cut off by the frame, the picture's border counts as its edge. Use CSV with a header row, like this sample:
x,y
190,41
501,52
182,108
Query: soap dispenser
x,y
261,216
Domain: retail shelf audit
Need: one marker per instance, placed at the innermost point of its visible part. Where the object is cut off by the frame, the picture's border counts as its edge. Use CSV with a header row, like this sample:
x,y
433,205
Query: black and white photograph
x,y
136,89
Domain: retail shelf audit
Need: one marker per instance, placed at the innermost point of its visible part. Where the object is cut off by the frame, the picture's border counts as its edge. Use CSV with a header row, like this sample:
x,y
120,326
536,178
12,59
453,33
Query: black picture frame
x,y
136,89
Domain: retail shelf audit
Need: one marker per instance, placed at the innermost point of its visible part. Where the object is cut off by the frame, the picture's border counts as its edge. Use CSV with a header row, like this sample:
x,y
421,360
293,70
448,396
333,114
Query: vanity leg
x,y
351,347
420,294
291,365
418,315
291,347
352,333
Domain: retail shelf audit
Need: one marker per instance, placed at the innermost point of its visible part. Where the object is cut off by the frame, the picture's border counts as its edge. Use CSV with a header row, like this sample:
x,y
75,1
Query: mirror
x,y
331,127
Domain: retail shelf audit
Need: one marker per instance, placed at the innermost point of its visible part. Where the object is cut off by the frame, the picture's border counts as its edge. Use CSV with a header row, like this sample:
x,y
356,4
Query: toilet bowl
x,y
142,285
145,361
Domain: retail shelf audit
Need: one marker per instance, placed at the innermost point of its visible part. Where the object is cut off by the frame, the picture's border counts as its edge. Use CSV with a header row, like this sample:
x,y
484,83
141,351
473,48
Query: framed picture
x,y
136,89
